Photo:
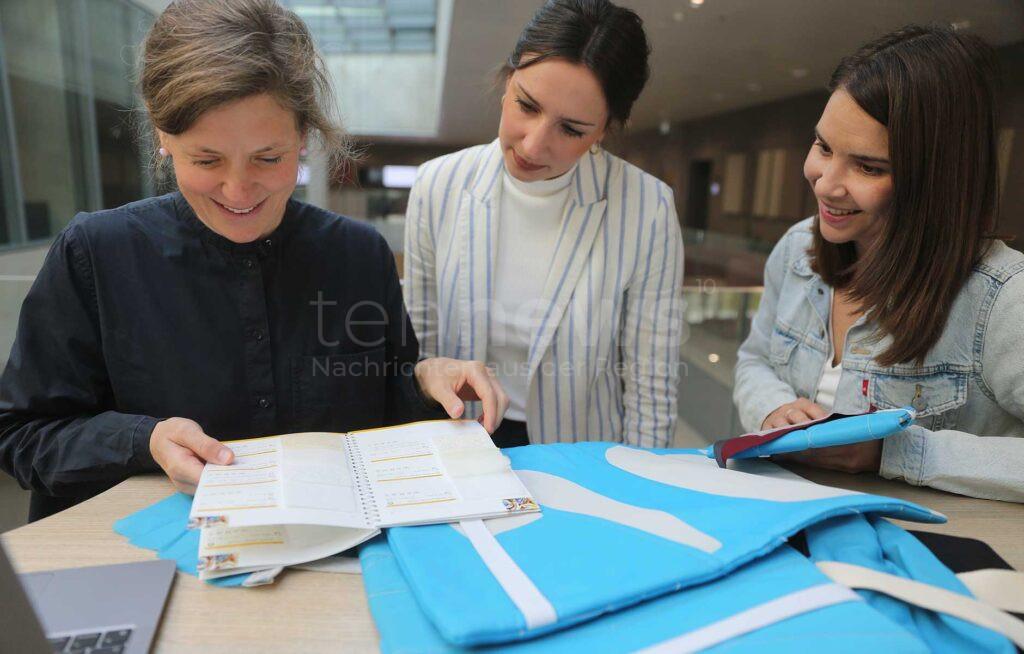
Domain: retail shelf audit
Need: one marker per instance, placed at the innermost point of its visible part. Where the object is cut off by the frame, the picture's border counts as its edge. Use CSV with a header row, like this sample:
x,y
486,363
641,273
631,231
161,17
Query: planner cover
x,y
833,429
619,525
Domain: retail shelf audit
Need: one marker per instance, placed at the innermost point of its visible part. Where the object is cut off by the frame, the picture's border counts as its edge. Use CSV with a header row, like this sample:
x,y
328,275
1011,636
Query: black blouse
x,y
142,313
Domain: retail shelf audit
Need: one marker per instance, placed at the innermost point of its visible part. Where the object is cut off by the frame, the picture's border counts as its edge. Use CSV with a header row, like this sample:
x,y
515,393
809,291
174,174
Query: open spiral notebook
x,y
300,497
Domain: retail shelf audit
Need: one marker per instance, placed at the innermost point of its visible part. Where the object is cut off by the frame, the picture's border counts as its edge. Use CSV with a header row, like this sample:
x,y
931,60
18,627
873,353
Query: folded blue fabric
x,y
590,551
835,430
163,527
852,627
880,545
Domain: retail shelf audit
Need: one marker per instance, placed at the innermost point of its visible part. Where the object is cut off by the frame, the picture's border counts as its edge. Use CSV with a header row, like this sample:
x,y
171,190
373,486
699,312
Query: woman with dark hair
x,y
226,309
897,293
555,262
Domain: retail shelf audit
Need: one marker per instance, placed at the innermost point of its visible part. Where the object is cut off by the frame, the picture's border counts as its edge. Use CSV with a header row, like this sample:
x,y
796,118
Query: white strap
x,y
536,608
756,617
926,596
1003,589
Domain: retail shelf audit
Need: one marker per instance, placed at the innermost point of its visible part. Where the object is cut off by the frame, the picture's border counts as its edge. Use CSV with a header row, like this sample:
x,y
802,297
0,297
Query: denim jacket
x,y
968,392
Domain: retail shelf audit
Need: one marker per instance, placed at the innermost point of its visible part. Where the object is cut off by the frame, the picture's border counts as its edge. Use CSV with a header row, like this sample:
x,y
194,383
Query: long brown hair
x,y
201,54
933,89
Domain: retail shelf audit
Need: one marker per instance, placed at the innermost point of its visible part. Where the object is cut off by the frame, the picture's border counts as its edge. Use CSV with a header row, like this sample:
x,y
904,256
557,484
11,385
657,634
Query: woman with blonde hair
x,y
223,310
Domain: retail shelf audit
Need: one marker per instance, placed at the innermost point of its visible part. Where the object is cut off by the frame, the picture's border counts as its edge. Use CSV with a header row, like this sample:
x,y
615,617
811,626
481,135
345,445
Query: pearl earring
x,y
303,152
163,152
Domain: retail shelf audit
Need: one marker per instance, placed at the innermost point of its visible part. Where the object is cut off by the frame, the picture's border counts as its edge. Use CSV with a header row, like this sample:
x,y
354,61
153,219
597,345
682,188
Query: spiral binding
x,y
363,488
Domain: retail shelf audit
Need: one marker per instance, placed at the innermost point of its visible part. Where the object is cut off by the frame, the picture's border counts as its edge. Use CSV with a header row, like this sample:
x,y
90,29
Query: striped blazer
x,y
603,361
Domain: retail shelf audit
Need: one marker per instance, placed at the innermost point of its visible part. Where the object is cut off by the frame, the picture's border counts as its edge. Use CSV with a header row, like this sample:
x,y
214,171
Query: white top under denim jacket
x,y
968,392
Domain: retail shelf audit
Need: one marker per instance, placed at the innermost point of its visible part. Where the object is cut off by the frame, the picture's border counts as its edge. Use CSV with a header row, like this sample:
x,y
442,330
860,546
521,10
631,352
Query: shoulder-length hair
x,y
933,89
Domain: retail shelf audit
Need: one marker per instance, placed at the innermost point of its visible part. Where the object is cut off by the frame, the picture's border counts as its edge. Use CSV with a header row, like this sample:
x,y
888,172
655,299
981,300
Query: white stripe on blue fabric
x,y
537,610
756,617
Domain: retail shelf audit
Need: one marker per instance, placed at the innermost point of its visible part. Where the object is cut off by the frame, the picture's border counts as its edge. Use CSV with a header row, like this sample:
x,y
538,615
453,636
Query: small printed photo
x,y
518,504
201,522
217,562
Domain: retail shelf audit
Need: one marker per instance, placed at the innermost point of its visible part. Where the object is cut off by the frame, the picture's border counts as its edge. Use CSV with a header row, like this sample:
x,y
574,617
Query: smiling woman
x,y
224,310
897,293
237,166
555,262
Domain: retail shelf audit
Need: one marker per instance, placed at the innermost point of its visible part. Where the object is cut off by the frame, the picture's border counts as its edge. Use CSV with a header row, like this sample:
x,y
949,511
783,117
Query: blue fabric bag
x,y
619,525
872,542
851,626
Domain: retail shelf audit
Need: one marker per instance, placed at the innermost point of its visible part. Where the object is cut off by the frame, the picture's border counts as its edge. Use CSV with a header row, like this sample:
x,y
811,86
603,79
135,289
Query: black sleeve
x,y
60,433
406,402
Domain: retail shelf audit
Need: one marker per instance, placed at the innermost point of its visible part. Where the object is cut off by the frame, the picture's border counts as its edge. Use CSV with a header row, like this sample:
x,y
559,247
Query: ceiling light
x,y
696,3
664,126
799,73
678,16
713,358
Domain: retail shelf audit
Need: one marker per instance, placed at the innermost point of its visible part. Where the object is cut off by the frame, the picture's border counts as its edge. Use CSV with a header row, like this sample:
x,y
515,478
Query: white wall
x,y
395,94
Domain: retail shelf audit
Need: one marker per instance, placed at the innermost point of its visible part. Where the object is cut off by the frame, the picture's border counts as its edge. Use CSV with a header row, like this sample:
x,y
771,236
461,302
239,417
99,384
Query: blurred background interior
x,y
726,120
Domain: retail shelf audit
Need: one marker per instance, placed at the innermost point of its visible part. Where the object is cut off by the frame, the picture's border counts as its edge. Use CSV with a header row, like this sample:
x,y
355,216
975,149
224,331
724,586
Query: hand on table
x,y
181,448
450,382
792,413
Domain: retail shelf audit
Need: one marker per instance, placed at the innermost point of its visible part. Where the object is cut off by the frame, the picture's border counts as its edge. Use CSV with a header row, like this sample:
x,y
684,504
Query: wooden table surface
x,y
316,611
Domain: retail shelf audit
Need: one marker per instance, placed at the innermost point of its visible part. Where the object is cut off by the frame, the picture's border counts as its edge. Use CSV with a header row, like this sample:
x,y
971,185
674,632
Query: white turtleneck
x,y
529,219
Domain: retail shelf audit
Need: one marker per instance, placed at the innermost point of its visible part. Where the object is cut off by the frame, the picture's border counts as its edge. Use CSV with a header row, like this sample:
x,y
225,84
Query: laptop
x,y
109,609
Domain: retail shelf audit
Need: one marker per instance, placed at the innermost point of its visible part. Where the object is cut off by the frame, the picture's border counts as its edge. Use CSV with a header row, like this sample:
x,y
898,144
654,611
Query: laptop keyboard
x,y
112,641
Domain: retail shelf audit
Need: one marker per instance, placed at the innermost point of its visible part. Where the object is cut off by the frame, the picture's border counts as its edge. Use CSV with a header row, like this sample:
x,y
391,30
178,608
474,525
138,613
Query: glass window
x,y
69,73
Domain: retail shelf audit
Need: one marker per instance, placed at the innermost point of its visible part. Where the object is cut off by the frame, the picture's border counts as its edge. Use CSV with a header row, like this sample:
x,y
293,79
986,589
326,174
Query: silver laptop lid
x,y
19,628
96,606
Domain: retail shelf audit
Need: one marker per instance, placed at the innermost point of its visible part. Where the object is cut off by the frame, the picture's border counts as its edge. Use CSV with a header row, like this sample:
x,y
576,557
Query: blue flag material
x,y
849,627
872,542
163,527
618,525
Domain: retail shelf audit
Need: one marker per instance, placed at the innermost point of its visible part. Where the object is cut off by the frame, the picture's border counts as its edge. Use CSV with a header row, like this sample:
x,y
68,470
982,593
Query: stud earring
x,y
595,148
303,152
163,152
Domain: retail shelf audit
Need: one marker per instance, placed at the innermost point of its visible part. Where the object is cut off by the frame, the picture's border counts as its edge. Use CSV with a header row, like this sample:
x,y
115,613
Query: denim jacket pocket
x,y
782,346
932,394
